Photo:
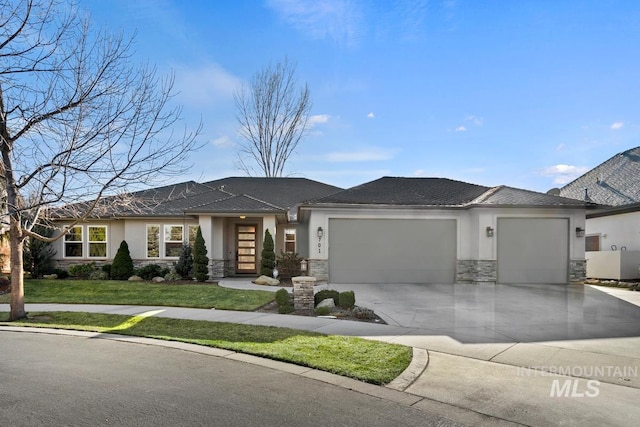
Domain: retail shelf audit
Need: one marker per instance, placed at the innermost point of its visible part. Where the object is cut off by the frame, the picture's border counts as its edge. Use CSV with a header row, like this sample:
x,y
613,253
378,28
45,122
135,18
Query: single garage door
x,y
392,251
533,250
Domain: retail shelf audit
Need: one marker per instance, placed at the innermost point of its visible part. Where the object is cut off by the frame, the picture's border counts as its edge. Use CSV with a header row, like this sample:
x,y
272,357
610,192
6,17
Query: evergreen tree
x,y
184,266
38,254
122,266
200,259
268,261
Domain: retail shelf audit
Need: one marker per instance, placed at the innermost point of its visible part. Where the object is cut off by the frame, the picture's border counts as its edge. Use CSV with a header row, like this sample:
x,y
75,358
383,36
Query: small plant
x,y
98,275
172,276
363,313
347,300
283,297
323,311
62,274
150,271
82,271
286,309
122,267
200,259
184,266
326,294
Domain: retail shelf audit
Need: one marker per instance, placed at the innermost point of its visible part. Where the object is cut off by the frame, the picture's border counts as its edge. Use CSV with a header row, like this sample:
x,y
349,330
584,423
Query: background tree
x,y
38,254
200,259
272,113
268,256
78,120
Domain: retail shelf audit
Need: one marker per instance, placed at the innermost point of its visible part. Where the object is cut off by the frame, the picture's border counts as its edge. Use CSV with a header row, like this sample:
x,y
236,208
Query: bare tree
x,y
272,113
77,121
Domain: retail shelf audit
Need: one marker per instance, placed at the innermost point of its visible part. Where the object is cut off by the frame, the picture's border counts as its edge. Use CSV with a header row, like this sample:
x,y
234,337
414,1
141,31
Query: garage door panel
x,y
392,251
533,250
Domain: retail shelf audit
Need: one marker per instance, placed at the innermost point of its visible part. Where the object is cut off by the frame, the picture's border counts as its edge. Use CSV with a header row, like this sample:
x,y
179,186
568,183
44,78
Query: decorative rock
x,y
49,276
266,280
135,279
326,303
157,279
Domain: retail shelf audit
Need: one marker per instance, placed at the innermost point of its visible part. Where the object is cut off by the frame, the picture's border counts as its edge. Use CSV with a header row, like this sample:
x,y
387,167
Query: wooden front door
x,y
246,249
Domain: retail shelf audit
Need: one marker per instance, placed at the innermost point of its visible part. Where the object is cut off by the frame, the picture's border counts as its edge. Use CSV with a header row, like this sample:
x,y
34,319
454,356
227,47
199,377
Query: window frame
x,y
294,241
165,241
598,240
105,242
73,242
158,240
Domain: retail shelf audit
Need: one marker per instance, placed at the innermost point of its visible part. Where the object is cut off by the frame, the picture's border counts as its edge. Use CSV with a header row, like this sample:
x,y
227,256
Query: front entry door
x,y
246,249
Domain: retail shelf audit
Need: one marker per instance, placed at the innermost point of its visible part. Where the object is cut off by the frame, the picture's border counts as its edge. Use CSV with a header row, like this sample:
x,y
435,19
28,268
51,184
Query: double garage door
x,y
529,250
392,251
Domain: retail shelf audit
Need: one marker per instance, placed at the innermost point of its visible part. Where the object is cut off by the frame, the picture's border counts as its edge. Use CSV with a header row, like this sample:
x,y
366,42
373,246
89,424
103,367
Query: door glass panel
x,y
246,248
246,229
246,251
246,244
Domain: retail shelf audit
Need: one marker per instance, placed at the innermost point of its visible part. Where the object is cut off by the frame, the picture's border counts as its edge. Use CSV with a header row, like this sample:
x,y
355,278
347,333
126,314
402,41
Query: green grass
x,y
137,293
371,361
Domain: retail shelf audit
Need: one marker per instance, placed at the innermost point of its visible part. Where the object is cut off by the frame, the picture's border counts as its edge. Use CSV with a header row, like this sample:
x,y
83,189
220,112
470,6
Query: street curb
x,y
418,364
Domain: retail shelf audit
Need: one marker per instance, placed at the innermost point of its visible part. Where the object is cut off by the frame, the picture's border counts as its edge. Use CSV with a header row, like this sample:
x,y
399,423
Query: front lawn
x,y
141,293
371,361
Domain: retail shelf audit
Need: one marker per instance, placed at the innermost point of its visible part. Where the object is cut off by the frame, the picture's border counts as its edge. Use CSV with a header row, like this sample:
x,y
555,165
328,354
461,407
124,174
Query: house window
x,y
153,241
73,242
592,243
290,240
193,231
173,238
97,235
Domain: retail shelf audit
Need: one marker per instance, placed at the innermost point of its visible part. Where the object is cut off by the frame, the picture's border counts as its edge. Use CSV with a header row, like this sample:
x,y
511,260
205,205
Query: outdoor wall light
x,y
579,232
489,231
243,216
303,266
320,233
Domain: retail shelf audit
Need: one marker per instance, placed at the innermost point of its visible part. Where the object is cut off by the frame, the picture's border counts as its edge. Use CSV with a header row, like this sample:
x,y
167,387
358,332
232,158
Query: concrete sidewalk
x,y
580,382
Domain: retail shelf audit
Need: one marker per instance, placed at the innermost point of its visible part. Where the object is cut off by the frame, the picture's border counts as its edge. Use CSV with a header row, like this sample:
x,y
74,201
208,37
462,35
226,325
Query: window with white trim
x,y
97,238
290,240
153,241
73,242
173,239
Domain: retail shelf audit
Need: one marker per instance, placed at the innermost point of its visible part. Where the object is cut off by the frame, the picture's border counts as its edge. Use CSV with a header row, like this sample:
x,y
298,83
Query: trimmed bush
x,y
268,256
150,271
347,299
286,309
62,274
184,266
283,297
82,271
363,313
323,311
122,267
326,294
172,276
200,259
107,270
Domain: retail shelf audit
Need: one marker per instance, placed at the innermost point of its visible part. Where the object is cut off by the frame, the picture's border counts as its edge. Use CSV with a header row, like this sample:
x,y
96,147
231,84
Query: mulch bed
x,y
338,312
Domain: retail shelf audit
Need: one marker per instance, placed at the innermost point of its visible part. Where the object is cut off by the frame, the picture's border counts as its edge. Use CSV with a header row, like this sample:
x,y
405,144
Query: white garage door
x,y
392,251
533,250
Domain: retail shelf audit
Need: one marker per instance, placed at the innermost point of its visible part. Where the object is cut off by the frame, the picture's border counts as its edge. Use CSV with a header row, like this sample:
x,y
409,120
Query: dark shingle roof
x,y
283,192
440,192
615,182
407,191
231,204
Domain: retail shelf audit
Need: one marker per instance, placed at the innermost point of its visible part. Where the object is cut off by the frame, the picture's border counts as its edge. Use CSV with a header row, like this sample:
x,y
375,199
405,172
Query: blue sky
x,y
529,94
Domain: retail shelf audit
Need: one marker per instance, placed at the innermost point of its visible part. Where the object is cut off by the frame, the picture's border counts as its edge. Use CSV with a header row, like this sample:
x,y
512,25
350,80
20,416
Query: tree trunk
x,y
17,272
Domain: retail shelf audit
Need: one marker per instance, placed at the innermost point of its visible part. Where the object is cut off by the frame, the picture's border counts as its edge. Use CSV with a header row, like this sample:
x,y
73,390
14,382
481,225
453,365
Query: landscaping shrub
x,y
98,275
184,266
323,311
172,276
286,309
363,313
347,299
283,297
268,260
326,294
200,259
82,271
150,271
122,267
289,265
107,270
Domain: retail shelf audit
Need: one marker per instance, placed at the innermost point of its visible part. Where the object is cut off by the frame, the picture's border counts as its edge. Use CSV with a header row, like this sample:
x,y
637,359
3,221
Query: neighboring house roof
x,y
229,195
615,182
440,192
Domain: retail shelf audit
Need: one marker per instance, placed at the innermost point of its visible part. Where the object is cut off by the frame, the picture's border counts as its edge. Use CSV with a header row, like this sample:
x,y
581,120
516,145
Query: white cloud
x,y
564,174
617,125
222,142
206,85
366,155
371,115
339,20
478,121
318,119
460,129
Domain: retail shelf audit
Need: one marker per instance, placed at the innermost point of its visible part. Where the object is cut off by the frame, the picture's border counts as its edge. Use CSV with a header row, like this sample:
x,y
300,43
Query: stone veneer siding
x,y
318,268
218,268
577,270
476,271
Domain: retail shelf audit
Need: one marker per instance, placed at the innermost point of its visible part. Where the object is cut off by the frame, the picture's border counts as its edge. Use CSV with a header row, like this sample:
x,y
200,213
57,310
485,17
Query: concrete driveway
x,y
501,313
